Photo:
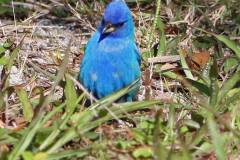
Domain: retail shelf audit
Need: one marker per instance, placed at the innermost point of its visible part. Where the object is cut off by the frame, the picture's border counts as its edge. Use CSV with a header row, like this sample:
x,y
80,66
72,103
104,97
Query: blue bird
x,y
111,60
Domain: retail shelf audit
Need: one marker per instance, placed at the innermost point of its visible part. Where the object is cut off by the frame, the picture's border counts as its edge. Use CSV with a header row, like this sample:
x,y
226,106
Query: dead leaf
x,y
197,60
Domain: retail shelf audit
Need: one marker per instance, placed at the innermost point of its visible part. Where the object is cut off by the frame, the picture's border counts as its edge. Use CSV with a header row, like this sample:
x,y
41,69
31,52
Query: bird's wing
x,y
93,40
90,45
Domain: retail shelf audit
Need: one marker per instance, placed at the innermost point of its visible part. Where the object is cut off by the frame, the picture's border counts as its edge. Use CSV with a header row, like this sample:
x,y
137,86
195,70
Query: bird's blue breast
x,y
109,65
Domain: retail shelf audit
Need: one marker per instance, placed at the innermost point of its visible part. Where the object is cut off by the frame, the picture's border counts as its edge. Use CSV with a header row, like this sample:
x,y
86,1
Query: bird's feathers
x,y
111,60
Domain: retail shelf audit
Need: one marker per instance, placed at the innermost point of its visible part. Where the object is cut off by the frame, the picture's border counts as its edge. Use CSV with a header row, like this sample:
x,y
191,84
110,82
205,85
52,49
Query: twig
x,y
164,59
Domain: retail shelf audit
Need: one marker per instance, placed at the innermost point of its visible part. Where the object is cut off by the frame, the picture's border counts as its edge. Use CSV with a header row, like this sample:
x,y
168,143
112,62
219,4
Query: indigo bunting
x,y
111,60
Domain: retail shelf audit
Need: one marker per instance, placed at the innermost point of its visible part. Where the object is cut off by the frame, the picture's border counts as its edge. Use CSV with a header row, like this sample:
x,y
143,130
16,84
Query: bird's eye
x,y
119,24
103,21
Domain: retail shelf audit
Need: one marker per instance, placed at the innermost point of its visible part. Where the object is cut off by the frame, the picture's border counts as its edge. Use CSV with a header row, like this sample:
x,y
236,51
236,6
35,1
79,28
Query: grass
x,y
188,106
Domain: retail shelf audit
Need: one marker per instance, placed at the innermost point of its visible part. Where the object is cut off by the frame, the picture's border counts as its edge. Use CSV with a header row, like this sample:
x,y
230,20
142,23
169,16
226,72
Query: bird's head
x,y
117,20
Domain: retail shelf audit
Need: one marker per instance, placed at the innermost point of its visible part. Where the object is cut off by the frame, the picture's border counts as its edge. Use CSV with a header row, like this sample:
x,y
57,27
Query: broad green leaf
x,y
27,107
203,88
4,60
27,155
185,66
4,47
123,144
71,95
30,156
230,63
143,152
40,156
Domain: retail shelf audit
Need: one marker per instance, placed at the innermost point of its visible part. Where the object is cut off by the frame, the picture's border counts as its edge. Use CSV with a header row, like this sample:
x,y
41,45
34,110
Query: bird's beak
x,y
109,28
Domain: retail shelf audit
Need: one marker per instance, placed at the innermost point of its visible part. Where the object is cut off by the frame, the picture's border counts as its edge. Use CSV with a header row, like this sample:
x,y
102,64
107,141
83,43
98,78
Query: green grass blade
x,y
52,137
231,44
26,139
14,55
37,122
162,42
68,154
228,85
151,31
115,96
214,88
85,122
121,110
216,137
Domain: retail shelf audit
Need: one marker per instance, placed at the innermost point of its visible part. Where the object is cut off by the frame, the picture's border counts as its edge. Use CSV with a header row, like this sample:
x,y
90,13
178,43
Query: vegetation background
x,y
189,101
